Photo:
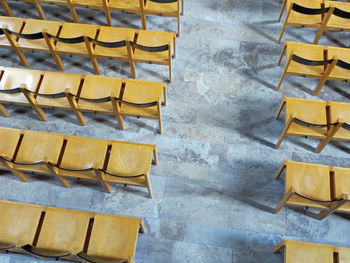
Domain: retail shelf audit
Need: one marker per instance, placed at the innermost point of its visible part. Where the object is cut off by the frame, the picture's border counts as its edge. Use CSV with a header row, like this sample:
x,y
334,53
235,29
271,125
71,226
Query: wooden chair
x,y
302,13
103,243
18,224
56,233
165,8
59,156
313,185
77,93
89,41
169,8
321,120
62,234
297,251
320,14
314,61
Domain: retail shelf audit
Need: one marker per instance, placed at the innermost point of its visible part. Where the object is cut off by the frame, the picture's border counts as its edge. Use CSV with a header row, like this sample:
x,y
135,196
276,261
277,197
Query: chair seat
x,y
297,19
109,34
152,39
311,111
35,26
340,110
113,237
309,180
131,6
63,231
169,9
83,153
14,78
36,148
72,30
307,52
130,160
9,141
52,84
18,223
136,93
336,22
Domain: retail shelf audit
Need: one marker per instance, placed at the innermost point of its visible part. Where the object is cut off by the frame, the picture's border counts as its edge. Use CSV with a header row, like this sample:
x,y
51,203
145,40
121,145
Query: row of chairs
x,y
55,233
323,120
319,14
81,93
297,251
131,45
166,8
315,61
63,157
319,186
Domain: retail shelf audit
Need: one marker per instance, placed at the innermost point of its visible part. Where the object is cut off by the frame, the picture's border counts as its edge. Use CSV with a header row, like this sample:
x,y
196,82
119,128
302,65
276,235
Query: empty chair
x,y
63,157
297,251
314,185
18,224
113,238
80,93
57,233
62,234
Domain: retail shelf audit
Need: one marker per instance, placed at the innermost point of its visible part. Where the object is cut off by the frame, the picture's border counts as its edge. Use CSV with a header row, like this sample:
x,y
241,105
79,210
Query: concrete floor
x,y
214,186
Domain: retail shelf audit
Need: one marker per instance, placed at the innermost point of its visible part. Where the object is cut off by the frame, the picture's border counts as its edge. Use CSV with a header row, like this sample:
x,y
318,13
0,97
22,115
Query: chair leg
x,y
4,111
325,76
279,246
282,9
6,7
54,172
160,117
149,187
282,53
19,174
39,9
280,170
155,156
284,200
101,175
178,25
334,206
284,73
280,108
330,135
284,24
284,132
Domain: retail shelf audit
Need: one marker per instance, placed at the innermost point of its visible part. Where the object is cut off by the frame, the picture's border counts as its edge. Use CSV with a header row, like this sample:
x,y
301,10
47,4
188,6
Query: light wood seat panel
x,y
18,223
83,153
99,87
35,26
72,30
114,237
53,83
63,231
14,78
312,111
71,89
37,147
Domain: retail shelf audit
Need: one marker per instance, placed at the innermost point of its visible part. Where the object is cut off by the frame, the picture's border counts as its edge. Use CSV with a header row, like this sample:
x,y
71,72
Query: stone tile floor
x,y
214,185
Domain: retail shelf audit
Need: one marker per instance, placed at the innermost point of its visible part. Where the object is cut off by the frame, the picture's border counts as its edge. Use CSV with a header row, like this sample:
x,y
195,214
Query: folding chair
x,y
62,234
18,225
297,251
